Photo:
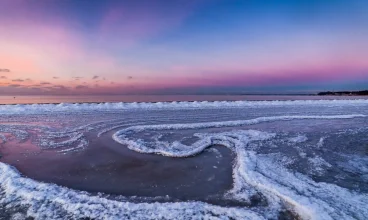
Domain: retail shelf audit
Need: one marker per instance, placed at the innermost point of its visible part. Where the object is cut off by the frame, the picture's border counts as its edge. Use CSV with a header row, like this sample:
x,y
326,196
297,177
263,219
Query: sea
x,y
47,99
183,157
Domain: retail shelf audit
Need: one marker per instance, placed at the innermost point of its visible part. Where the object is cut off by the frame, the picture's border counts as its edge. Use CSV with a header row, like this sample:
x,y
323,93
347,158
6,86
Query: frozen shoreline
x,y
45,108
290,156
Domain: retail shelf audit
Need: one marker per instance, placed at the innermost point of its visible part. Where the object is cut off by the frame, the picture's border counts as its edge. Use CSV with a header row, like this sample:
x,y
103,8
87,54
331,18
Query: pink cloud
x,y
127,24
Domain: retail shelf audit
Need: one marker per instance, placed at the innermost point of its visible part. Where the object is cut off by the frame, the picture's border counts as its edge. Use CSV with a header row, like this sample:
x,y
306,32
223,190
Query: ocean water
x,y
300,159
158,98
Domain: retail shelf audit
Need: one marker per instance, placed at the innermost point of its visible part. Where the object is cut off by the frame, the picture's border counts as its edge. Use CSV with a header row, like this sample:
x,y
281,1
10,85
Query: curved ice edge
x,y
34,108
50,201
199,146
307,198
303,196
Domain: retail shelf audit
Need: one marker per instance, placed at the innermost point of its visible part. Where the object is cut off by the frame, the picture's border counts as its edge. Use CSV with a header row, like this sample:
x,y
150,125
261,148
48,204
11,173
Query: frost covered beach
x,y
198,109
185,160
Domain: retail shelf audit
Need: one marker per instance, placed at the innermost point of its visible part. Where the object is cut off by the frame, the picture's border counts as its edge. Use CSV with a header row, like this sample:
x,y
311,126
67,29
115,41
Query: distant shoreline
x,y
345,93
254,99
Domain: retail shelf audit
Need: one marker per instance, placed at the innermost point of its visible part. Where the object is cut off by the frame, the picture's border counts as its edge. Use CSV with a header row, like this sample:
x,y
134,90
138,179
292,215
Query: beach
x,y
222,159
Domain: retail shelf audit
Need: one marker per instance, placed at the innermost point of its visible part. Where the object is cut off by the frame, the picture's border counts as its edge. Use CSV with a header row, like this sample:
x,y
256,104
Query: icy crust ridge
x,y
176,149
254,174
49,201
41,108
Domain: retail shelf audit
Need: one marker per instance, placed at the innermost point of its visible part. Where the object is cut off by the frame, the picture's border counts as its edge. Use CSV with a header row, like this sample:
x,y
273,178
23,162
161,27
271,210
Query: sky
x,y
78,47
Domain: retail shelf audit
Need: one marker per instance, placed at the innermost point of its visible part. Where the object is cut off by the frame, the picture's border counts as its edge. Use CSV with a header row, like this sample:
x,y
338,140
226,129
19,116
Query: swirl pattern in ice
x,y
282,169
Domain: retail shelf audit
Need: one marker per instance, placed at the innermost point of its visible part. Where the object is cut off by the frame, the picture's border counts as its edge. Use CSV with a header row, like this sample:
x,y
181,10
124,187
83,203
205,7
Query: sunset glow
x,y
128,47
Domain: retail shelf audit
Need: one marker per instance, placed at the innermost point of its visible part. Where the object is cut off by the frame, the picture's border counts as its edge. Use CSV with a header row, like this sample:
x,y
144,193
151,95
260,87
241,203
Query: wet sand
x,y
299,155
108,167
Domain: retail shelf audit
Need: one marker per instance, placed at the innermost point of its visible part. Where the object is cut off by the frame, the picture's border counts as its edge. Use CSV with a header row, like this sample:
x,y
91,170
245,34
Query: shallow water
x,y
33,99
255,160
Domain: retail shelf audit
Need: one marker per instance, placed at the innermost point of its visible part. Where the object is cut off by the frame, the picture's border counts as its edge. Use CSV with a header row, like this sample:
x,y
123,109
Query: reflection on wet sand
x,y
105,166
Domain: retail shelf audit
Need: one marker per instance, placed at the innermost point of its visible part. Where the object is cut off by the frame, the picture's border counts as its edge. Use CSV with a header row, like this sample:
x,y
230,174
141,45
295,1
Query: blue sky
x,y
120,47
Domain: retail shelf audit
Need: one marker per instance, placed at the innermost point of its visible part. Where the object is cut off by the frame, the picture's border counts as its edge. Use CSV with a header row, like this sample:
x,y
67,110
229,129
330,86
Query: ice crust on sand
x,y
177,149
68,107
253,174
256,176
298,139
49,201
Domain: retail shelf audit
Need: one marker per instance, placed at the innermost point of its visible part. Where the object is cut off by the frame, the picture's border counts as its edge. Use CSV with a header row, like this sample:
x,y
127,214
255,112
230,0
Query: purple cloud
x,y
81,87
18,80
5,70
14,85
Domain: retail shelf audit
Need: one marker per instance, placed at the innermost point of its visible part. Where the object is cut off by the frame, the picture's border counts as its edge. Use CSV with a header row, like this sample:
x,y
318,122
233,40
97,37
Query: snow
x,y
298,139
68,107
49,201
253,174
